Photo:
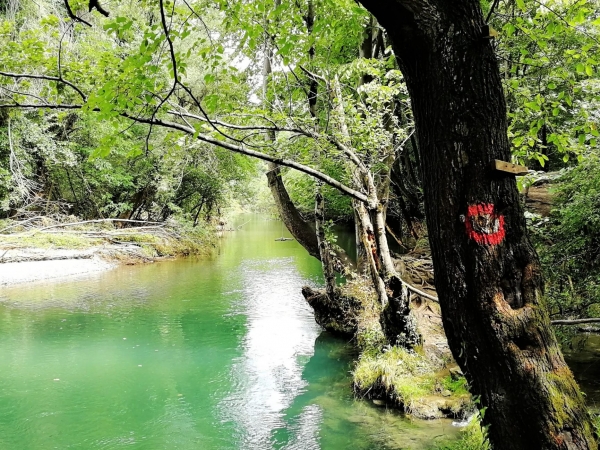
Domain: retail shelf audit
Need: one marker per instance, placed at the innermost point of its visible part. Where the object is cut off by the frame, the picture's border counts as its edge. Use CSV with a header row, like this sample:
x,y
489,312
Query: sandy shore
x,y
25,265
26,272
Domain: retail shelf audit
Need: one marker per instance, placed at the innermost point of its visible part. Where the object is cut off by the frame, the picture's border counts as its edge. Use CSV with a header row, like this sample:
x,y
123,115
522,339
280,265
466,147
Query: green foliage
x,y
458,385
596,422
94,162
122,68
570,244
302,192
548,54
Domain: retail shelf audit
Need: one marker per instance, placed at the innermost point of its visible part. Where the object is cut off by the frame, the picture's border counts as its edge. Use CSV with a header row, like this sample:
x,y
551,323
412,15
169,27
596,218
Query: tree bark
x,y
367,239
294,222
324,249
487,273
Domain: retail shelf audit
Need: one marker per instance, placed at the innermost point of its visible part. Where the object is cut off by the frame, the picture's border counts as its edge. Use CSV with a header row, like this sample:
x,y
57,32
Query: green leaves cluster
x,y
548,53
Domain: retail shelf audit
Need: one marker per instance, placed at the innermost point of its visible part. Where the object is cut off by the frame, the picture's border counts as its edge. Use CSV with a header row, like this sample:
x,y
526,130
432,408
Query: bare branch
x,y
232,126
45,77
38,106
259,155
73,16
95,4
575,321
314,75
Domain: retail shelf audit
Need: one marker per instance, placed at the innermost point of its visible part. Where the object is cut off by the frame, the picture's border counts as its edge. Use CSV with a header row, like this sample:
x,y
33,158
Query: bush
x,y
569,246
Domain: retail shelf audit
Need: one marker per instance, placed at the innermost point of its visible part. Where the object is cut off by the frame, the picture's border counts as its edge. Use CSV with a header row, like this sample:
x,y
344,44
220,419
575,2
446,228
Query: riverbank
x,y
49,249
424,382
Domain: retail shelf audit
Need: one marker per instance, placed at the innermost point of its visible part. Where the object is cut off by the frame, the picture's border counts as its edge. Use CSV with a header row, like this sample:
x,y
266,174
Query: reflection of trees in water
x,y
326,415
583,358
304,419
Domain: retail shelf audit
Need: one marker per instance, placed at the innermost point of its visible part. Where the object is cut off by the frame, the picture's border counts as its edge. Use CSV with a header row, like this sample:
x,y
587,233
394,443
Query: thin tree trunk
x,y
488,275
324,250
289,214
362,265
367,238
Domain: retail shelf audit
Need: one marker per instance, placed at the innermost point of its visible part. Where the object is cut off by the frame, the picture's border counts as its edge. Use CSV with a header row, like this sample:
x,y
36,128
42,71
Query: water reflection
x,y
188,354
281,330
583,359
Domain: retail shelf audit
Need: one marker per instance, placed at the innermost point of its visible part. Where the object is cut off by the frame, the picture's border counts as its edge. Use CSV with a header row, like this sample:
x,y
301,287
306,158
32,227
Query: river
x,y
218,353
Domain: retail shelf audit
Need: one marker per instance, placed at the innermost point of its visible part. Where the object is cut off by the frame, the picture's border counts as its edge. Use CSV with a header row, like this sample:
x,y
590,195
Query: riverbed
x,y
219,353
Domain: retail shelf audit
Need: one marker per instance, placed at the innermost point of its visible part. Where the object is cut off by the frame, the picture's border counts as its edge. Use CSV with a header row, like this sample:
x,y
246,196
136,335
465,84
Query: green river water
x,y
220,353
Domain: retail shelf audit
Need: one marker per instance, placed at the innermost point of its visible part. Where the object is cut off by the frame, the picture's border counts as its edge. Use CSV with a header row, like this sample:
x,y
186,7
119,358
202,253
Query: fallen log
x,y
575,321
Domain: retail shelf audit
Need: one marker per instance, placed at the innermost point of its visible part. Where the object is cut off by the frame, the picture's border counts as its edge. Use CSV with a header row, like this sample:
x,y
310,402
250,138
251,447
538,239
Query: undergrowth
x,y
404,377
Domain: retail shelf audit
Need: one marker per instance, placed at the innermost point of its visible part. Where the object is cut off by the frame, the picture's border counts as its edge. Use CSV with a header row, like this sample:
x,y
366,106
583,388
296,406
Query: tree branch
x,y
73,16
45,77
226,145
232,126
575,321
38,106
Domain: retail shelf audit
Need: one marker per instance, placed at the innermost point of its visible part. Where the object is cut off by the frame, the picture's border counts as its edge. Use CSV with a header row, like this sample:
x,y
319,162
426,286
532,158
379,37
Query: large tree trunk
x,y
487,272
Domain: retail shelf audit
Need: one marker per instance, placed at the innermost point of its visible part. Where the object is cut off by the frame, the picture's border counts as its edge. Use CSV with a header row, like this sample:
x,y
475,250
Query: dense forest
x,y
387,116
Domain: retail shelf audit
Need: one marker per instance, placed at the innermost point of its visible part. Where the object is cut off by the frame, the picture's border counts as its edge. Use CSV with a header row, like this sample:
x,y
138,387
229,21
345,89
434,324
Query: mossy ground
x,y
404,378
43,240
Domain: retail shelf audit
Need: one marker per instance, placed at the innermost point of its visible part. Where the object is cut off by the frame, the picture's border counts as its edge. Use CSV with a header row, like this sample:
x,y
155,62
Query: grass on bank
x,y
406,378
169,239
47,240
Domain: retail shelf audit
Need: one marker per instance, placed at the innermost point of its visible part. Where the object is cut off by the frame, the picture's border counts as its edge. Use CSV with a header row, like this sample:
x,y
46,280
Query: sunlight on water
x,y
221,353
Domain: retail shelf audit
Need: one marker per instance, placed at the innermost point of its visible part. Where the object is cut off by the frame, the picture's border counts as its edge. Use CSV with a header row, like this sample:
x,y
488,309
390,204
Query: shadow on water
x,y
584,360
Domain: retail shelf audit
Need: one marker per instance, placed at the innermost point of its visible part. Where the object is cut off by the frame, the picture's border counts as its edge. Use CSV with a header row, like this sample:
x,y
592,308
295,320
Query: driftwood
x,y
420,293
33,229
70,224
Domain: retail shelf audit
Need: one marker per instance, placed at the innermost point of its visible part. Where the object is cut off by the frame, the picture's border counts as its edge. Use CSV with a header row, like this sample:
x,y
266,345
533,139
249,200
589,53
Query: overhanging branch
x,y
241,149
45,77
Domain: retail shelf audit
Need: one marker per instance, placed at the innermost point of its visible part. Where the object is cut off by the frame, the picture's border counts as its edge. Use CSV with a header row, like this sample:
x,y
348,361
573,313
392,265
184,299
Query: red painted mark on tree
x,y
484,225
